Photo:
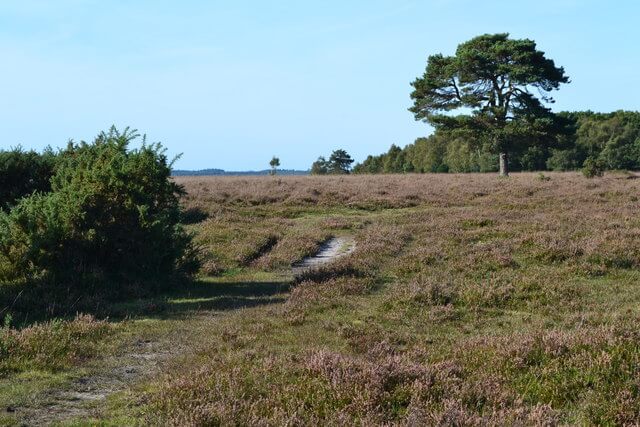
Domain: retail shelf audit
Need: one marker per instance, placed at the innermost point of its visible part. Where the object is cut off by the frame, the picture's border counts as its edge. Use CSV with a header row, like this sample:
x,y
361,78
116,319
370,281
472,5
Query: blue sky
x,y
231,83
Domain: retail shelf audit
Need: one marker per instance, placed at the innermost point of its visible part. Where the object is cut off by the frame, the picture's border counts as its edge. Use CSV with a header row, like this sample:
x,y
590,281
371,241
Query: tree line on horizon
x,y
604,141
488,105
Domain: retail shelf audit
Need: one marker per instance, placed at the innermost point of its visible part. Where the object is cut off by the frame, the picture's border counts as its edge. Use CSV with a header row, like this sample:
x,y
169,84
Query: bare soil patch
x,y
329,251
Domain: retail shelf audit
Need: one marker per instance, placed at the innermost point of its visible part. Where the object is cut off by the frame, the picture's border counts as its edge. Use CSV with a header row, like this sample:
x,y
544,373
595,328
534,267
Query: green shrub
x,y
534,158
564,160
112,217
23,172
593,168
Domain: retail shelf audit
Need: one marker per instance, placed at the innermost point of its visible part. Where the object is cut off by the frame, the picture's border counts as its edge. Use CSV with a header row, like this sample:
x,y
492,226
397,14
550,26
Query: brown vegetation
x,y
469,300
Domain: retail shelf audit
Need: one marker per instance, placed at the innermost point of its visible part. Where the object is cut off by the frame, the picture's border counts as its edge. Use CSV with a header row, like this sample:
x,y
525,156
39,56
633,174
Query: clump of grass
x,y
262,246
337,270
425,290
211,267
193,215
50,346
343,223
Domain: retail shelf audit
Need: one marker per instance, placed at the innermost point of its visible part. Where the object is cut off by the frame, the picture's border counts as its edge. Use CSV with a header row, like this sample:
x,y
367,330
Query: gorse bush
x,y
112,216
24,172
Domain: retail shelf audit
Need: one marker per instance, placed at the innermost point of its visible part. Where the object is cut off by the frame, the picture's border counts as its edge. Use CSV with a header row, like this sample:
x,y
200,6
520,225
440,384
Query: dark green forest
x,y
607,141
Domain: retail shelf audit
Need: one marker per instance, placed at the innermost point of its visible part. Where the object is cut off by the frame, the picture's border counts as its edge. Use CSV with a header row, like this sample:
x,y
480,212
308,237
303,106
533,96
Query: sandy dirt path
x,y
329,251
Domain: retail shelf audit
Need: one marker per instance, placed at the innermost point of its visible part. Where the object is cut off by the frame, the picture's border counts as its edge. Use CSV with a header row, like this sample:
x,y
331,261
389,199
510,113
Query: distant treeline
x,y
215,172
609,140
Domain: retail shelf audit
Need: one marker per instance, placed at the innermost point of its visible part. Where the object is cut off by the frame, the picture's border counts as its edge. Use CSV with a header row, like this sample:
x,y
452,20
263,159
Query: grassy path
x,y
141,349
146,346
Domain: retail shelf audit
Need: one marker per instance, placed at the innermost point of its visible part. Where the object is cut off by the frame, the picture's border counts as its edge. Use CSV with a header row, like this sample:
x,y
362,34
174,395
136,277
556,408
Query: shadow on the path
x,y
219,296
26,308
200,296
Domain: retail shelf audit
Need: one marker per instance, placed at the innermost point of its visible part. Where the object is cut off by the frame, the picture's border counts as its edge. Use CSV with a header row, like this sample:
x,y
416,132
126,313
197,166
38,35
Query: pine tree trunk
x,y
504,164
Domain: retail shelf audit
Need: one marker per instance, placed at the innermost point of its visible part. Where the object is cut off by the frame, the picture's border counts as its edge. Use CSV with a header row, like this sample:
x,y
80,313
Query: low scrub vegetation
x,y
50,346
106,222
469,300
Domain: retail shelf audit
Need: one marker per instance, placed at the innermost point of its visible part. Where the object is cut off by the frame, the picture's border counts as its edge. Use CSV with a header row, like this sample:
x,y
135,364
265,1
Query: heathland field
x,y
468,299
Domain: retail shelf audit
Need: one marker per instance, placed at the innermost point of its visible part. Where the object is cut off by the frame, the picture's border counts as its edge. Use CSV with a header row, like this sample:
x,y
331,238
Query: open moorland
x,y
464,300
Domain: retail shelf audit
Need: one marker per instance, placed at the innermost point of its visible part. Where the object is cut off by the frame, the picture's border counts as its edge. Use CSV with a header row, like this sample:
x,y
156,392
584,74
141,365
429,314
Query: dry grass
x,y
380,191
470,300
50,346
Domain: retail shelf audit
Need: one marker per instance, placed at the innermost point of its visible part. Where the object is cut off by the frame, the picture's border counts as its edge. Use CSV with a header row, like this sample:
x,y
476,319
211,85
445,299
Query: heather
x,y
467,300
50,346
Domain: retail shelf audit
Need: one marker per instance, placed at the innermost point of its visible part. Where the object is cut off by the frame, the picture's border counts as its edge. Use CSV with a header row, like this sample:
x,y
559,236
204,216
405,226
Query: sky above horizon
x,y
229,84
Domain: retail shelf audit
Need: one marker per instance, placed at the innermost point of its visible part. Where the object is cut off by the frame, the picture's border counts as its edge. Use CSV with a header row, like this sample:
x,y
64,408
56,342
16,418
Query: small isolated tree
x,y
593,168
492,77
320,166
274,163
340,162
